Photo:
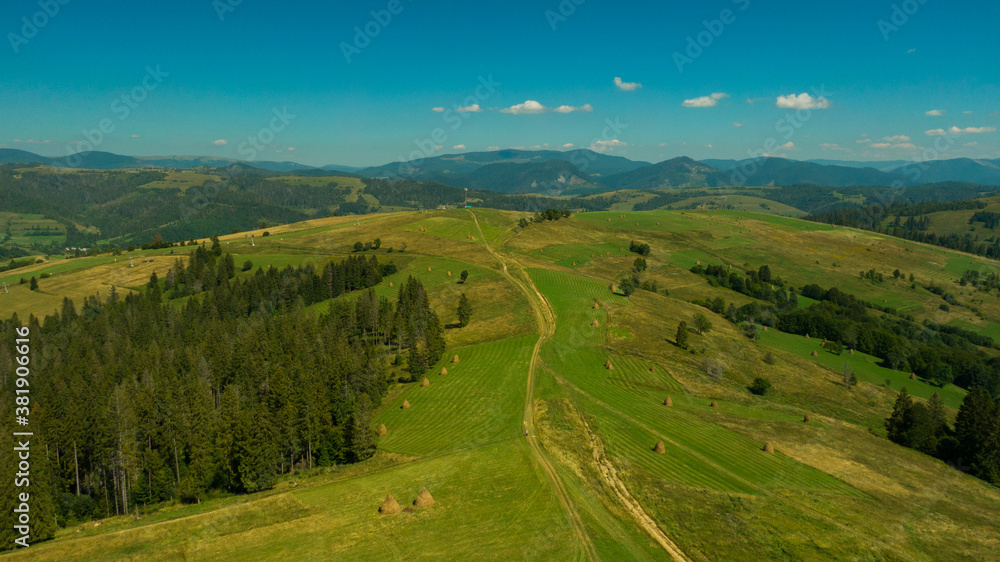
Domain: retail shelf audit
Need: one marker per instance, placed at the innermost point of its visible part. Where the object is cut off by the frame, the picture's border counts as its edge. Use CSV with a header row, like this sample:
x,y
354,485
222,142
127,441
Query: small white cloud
x,y
608,145
529,107
492,148
788,146
137,136
458,147
904,145
438,147
709,146
863,141
936,113
737,125
626,86
881,145
705,101
220,142
967,112
568,145
437,109
802,101
586,108
662,144
290,149
936,133
971,144
897,138
911,51
830,146
474,108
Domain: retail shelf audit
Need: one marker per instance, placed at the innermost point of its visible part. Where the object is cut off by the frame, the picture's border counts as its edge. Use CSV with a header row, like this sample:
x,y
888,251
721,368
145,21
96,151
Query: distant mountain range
x,y
574,172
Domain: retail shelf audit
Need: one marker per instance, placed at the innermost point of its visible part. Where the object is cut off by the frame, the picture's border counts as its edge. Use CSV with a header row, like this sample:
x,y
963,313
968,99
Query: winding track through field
x,y
546,318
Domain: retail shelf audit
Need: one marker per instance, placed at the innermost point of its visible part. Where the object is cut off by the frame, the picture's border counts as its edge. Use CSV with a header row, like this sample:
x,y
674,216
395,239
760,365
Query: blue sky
x,y
271,81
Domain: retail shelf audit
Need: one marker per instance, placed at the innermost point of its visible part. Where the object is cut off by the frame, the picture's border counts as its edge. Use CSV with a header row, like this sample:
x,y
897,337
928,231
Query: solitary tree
x,y
682,335
464,311
627,286
464,275
34,284
358,246
639,264
702,323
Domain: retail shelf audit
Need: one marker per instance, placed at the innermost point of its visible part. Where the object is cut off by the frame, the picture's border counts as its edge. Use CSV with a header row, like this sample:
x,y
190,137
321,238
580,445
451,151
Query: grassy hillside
x,y
533,448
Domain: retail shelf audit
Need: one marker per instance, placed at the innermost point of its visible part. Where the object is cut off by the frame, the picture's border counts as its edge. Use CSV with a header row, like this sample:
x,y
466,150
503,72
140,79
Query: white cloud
x,y
967,112
936,113
897,138
705,101
626,86
474,108
437,109
958,131
458,147
568,145
971,144
709,146
290,149
529,107
802,101
438,147
137,136
32,141
904,145
586,108
863,141
737,125
492,148
788,146
833,146
881,145
220,142
911,51
608,145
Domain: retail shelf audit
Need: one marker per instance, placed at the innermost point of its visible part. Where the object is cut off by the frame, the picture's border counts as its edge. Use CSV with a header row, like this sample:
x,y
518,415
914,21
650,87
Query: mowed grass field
x,y
478,402
627,405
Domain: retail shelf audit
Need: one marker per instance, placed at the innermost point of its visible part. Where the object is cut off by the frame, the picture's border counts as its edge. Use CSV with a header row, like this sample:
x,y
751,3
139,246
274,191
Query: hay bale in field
x,y
715,404
769,448
807,335
424,499
815,354
609,366
390,283
612,288
765,328
406,405
660,449
806,419
444,371
652,368
390,506
596,306
449,274
697,262
594,324
668,402
382,430
428,269
852,352
913,376
425,383
454,359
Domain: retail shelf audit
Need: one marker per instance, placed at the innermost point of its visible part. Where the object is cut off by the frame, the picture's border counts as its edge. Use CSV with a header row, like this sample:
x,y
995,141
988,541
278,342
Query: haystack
x,y
454,359
806,419
596,306
913,376
449,274
765,328
594,324
660,449
390,283
668,402
807,336
612,288
389,506
652,368
425,383
382,430
609,366
852,352
405,406
715,404
769,448
424,499
444,371
815,354
428,269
